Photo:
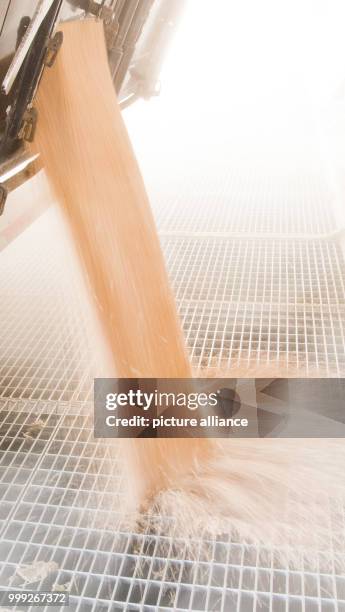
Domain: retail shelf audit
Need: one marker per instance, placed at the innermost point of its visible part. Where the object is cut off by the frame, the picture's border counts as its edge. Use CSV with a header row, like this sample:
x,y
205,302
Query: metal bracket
x,y
53,47
111,25
28,127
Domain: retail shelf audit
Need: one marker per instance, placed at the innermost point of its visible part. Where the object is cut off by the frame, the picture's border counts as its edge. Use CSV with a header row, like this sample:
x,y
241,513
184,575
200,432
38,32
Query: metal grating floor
x,y
258,275
260,300
246,201
55,493
239,299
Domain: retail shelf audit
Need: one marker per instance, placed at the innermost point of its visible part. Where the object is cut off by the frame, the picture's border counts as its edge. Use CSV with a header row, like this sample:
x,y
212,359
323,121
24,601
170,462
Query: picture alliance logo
x,y
160,399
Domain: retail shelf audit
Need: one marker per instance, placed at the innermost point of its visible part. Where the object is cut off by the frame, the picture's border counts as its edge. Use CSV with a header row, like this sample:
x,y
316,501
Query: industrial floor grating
x,y
244,201
277,299
261,301
56,508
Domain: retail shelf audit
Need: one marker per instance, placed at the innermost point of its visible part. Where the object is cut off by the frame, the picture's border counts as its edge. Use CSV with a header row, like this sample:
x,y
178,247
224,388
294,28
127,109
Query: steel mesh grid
x,y
239,301
243,201
244,300
54,509
48,346
59,517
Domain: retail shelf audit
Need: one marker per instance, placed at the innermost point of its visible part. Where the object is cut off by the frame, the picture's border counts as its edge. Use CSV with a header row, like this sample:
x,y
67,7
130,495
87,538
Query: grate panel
x,y
242,201
264,301
62,512
278,301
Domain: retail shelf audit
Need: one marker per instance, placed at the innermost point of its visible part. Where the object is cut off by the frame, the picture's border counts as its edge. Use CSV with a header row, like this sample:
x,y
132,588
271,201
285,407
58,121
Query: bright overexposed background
x,y
245,80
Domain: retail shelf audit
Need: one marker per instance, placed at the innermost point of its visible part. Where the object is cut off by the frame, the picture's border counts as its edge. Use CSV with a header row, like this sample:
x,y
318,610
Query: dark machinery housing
x,y
136,32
